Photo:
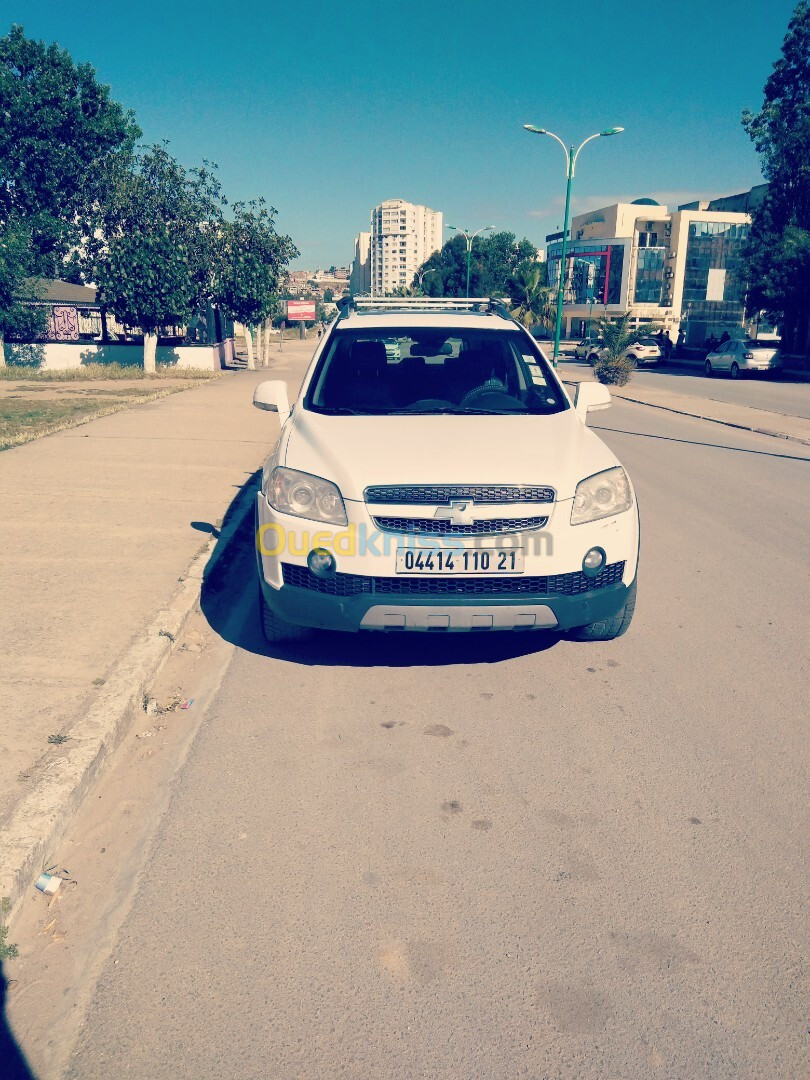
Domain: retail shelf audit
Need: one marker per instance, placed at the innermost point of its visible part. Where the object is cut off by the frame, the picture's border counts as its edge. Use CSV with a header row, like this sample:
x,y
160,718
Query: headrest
x,y
368,357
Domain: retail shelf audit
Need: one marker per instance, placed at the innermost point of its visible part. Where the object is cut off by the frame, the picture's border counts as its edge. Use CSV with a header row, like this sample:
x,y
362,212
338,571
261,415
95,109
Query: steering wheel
x,y
489,396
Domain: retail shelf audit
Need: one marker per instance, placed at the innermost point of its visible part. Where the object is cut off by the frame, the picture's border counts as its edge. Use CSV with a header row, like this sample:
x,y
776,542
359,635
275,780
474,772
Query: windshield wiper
x,y
340,410
445,410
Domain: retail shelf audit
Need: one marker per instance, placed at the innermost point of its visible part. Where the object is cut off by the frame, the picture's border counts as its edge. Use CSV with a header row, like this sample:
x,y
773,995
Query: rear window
x,y
770,345
432,371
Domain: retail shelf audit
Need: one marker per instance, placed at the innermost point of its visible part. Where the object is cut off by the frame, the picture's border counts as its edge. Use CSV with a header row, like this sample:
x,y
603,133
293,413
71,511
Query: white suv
x,y
435,475
641,351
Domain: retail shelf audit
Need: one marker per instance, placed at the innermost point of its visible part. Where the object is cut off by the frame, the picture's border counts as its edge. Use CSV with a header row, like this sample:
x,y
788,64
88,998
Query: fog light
x,y
593,562
321,562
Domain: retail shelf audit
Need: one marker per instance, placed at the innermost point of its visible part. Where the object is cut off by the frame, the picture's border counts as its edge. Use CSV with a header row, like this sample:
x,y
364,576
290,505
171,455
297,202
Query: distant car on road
x,y
642,351
741,355
584,348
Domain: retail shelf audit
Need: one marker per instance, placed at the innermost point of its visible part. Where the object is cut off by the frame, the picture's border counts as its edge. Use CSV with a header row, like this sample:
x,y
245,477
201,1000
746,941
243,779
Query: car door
x,y
720,357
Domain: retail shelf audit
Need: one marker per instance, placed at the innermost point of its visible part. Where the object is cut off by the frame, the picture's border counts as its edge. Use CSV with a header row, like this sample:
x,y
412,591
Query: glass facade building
x,y
593,271
713,288
649,275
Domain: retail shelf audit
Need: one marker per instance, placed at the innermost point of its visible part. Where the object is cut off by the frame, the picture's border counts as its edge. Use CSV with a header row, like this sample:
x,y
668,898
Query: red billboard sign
x,y
300,311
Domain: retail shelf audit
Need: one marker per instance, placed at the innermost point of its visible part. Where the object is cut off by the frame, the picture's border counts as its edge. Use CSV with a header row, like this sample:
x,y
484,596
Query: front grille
x,y
338,585
356,584
442,493
443,527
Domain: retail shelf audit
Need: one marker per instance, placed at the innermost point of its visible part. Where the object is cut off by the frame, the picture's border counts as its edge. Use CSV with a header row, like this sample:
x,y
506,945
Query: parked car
x,y
584,348
643,351
742,355
448,484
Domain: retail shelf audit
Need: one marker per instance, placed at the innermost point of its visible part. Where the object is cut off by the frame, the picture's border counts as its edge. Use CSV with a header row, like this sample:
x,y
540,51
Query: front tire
x,y
276,630
709,369
610,628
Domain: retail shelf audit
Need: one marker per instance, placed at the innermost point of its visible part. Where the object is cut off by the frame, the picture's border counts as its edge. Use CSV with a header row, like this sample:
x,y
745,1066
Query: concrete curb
x,y
38,823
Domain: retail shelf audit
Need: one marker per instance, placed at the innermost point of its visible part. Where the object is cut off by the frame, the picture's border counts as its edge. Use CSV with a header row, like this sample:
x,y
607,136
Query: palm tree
x,y
617,334
613,366
529,293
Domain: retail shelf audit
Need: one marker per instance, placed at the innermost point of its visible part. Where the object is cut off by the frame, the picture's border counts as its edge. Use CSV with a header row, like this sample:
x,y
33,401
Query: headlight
x,y
600,496
302,495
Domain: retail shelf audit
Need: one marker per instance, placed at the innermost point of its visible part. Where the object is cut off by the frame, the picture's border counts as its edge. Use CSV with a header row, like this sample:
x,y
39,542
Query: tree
x,y
249,267
154,242
59,137
493,261
529,292
17,315
777,252
613,366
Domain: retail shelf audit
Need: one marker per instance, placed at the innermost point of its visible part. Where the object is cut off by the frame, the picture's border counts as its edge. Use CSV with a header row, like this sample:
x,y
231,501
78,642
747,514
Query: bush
x,y
614,371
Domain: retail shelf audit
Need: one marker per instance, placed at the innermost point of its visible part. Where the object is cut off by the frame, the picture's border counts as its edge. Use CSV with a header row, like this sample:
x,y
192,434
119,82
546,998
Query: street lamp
x,y
571,156
469,241
422,274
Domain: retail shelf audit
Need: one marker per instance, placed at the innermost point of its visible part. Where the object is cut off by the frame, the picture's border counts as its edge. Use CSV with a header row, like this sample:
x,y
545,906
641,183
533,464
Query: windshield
x,y
410,371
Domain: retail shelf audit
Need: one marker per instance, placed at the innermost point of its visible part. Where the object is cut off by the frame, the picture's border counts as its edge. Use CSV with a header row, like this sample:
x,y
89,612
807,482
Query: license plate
x,y
460,561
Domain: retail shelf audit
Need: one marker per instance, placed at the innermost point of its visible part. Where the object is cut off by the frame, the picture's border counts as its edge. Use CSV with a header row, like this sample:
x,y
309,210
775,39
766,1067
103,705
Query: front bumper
x,y
307,607
367,592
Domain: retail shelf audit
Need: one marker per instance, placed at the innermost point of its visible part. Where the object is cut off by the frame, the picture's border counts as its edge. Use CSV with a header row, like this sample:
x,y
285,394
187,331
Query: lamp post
x,y
571,156
469,241
422,274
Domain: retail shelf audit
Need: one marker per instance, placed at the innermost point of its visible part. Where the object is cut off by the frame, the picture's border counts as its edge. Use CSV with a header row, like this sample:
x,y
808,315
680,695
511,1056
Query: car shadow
x,y
229,600
13,1065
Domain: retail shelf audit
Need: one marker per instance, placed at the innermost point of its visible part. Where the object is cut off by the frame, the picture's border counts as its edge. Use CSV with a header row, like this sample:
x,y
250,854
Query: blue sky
x,y
327,109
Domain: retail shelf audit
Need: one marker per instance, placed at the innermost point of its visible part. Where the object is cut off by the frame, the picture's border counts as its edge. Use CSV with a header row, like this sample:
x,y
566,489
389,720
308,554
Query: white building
x,y
403,236
360,278
678,269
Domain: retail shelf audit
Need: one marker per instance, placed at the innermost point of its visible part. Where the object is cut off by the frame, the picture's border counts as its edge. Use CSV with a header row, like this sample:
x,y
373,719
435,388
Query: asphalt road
x,y
456,858
780,395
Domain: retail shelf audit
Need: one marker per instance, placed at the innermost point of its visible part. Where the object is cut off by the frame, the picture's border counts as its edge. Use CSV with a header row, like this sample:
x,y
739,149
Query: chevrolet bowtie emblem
x,y
459,512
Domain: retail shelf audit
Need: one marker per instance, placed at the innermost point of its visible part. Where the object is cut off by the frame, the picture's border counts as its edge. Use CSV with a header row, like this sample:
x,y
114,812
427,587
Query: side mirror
x,y
272,397
591,396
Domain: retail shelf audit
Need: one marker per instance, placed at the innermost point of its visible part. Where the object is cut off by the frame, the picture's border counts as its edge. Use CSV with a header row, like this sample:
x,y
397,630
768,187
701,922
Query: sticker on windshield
x,y
536,372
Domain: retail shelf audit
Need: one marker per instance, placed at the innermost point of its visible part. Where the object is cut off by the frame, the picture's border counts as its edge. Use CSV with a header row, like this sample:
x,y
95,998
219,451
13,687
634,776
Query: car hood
x,y
357,451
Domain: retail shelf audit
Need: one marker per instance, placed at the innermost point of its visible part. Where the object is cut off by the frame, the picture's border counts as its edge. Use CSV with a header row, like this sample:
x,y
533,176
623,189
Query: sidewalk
x,y
761,421
100,525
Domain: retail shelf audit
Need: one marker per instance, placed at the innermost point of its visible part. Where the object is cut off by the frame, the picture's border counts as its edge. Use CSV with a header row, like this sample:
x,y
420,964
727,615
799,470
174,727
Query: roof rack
x,y
368,305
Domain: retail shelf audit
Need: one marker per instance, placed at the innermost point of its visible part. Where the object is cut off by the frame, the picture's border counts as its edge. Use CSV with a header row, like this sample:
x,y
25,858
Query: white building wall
x,y
403,236
360,280
62,356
